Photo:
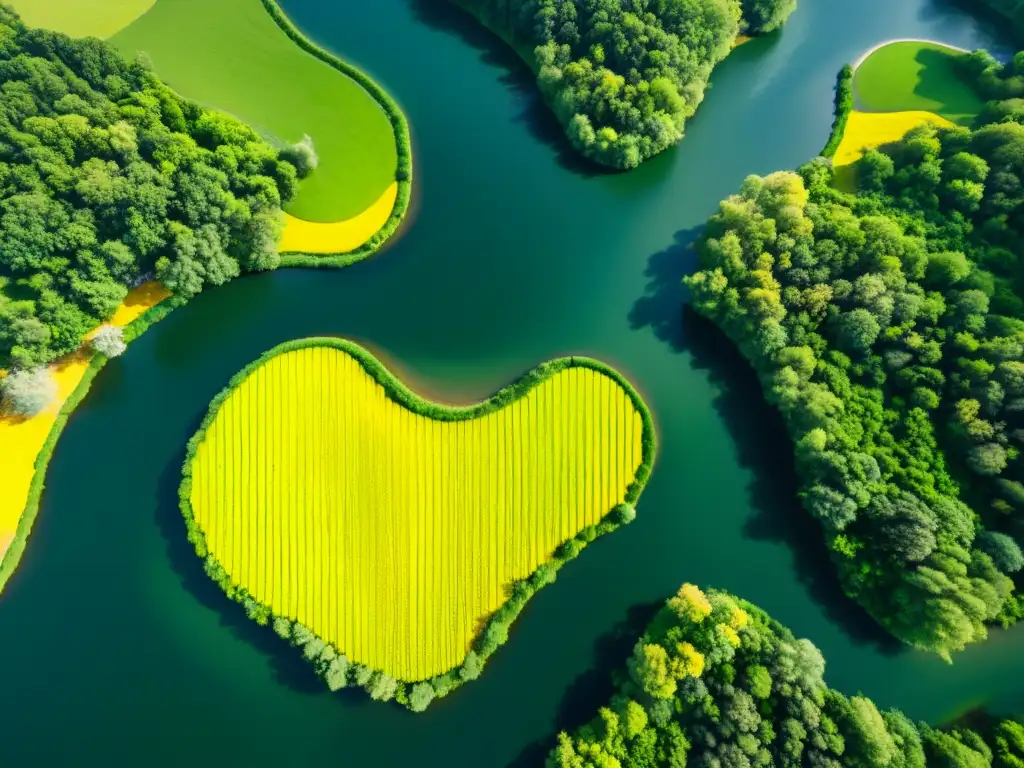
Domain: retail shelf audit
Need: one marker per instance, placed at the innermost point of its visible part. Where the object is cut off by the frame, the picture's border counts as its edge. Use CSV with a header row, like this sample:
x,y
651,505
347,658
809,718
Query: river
x,y
115,648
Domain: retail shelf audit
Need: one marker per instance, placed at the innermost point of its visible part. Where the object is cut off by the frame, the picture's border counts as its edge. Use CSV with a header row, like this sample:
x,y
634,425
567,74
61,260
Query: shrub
x,y
381,686
109,340
471,667
624,514
421,696
336,673
302,155
26,393
283,627
1003,550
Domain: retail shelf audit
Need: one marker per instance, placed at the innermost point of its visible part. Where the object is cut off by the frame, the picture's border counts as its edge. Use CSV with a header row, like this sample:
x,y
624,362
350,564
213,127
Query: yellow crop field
x,y
390,534
866,130
301,236
872,129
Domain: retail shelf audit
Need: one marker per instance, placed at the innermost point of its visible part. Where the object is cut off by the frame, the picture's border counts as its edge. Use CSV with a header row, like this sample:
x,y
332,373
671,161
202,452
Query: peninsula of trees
x,y
623,78
107,176
888,328
715,682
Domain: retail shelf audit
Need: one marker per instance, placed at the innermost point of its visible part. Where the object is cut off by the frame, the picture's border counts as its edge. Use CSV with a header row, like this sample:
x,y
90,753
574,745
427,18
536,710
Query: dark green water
x,y
116,650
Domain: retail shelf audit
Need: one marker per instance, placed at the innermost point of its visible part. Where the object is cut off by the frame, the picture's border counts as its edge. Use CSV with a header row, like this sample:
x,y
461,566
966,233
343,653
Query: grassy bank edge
x,y
17,546
843,108
133,330
403,146
495,631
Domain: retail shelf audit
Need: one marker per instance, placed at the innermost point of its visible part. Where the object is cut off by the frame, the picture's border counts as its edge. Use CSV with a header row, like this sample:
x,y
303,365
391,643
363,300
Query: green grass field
x,y
906,76
81,18
231,55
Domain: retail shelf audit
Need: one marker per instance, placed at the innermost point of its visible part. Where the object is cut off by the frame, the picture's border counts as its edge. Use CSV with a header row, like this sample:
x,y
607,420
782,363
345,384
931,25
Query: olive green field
x,y
915,76
232,56
81,18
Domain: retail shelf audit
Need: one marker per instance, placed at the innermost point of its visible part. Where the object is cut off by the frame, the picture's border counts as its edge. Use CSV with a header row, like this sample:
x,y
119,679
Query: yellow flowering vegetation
x,y
689,662
730,634
22,438
391,535
301,236
677,667
690,603
739,618
866,130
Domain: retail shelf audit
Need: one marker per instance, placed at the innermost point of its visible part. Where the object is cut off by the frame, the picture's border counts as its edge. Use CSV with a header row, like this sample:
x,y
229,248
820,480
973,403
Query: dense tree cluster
x,y
715,683
996,80
1012,10
888,328
623,77
107,176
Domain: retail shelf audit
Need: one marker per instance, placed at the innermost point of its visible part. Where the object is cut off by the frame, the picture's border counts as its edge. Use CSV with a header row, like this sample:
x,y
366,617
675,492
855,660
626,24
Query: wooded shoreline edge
x,y
494,633
132,331
404,176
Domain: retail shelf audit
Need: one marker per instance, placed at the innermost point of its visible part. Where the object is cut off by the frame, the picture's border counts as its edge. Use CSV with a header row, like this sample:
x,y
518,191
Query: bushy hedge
x,y
403,145
330,662
844,106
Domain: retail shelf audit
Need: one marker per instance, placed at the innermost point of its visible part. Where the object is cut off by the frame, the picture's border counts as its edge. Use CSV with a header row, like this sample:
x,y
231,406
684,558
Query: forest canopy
x,y
107,177
714,682
888,328
623,78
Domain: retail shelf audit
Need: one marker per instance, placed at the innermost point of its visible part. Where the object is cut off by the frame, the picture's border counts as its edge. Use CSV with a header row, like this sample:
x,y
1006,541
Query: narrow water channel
x,y
116,649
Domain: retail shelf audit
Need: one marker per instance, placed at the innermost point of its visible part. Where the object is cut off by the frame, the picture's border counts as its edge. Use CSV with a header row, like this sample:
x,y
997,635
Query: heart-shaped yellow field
x,y
390,526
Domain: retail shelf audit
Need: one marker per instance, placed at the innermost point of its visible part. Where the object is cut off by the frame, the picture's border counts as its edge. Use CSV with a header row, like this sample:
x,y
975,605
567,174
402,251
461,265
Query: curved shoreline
x,y
399,393
16,547
863,57
403,148
12,551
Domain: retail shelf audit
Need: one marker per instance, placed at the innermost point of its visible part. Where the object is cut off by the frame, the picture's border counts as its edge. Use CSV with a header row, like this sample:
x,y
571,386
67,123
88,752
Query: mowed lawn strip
x,y
231,55
915,76
398,518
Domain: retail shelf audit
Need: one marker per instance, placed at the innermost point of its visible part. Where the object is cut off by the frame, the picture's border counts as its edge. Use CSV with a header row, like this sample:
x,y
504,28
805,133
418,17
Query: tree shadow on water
x,y
288,666
661,306
756,428
595,687
765,450
539,121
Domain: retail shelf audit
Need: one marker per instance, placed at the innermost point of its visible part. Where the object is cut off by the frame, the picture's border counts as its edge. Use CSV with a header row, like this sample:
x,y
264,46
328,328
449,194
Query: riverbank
x,y
898,84
27,443
514,258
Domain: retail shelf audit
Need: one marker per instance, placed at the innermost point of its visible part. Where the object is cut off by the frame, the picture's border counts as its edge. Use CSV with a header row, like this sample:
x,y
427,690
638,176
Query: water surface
x,y
116,649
